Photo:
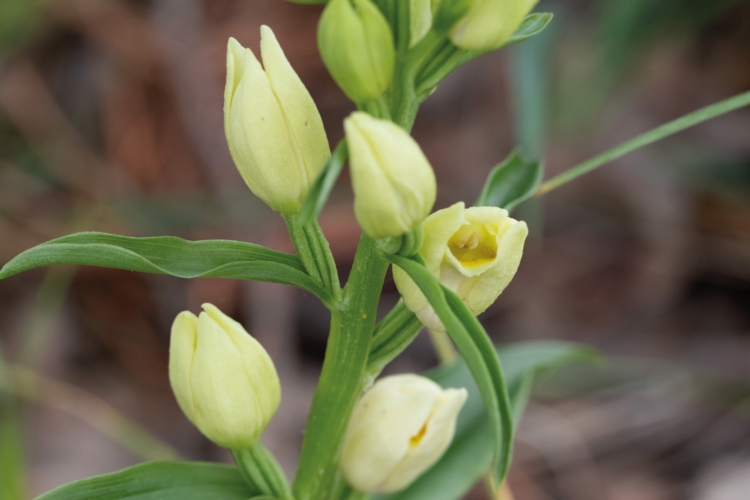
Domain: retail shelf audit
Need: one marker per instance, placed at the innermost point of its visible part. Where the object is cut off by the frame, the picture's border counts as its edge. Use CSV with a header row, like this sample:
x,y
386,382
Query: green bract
x,y
489,23
356,44
273,128
475,252
223,379
394,185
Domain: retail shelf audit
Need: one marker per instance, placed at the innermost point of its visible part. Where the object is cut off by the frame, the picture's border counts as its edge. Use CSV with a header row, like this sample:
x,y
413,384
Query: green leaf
x,y
308,1
470,453
169,255
477,350
532,25
514,180
320,190
160,481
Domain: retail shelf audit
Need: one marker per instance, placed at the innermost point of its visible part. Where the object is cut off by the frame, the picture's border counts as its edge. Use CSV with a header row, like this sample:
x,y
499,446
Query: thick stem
x,y
260,469
340,384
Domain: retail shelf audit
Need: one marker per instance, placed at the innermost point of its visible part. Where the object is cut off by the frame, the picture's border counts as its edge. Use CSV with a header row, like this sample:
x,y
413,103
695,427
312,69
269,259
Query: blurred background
x,y
111,120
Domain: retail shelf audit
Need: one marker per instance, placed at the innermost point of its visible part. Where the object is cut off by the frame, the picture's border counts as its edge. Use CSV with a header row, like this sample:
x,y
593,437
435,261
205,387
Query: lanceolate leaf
x,y
160,481
532,25
470,453
477,350
168,255
513,181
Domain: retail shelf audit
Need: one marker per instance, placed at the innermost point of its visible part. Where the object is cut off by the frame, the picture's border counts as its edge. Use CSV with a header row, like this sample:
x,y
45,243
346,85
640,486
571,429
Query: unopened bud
x,y
224,381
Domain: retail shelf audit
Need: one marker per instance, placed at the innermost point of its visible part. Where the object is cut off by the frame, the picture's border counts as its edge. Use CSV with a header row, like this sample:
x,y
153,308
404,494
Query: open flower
x,y
224,381
398,430
475,252
274,131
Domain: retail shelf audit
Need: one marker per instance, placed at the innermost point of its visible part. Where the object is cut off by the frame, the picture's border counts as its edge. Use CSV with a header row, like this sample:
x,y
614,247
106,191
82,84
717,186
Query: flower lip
x,y
474,247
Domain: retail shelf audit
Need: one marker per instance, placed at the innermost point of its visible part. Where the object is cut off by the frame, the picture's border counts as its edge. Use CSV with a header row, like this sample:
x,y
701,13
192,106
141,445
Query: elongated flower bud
x,y
398,430
356,44
224,380
490,23
273,128
394,185
475,252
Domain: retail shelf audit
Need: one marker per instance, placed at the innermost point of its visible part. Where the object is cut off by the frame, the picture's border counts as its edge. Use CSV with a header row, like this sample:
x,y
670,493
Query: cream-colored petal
x,y
384,421
302,116
394,185
182,346
437,230
257,364
226,408
489,23
438,435
260,142
492,283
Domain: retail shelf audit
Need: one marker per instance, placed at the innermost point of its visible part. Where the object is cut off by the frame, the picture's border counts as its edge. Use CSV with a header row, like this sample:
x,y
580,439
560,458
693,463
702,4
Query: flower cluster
x,y
224,381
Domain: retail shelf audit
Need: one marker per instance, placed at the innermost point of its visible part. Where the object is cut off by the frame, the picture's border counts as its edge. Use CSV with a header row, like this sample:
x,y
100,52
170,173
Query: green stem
x,y
341,380
259,468
444,348
392,335
404,98
650,137
315,254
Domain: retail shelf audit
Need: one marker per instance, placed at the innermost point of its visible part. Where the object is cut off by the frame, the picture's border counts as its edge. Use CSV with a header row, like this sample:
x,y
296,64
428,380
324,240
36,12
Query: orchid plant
x,y
404,437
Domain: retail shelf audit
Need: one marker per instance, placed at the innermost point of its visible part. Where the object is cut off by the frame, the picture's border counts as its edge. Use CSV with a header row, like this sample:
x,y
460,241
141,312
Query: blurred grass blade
x,y
160,481
470,453
657,134
477,350
169,255
29,385
515,180
12,470
321,188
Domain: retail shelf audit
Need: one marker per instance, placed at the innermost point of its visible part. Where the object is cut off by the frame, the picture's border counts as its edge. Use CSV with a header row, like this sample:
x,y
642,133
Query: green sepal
x,y
532,25
477,349
160,481
470,453
321,189
169,255
513,181
262,472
